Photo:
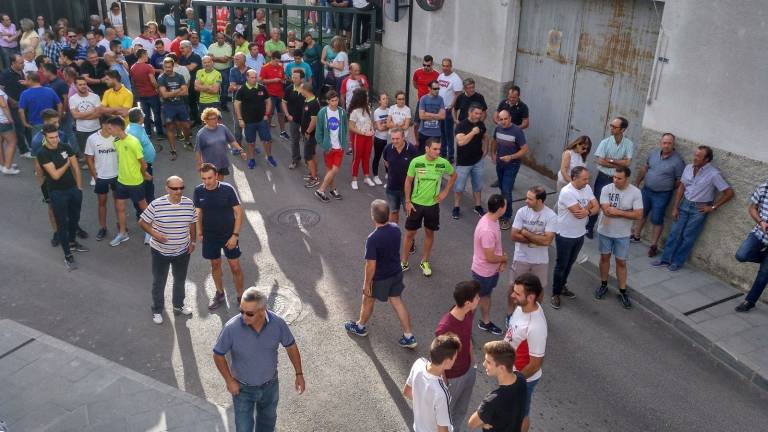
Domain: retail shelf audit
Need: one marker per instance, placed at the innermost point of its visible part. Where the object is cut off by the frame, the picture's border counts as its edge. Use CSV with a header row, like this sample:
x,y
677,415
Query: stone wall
x,y
727,227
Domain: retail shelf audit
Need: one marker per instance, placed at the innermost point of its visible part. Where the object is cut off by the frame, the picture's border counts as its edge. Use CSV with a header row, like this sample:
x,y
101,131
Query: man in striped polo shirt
x,y
171,221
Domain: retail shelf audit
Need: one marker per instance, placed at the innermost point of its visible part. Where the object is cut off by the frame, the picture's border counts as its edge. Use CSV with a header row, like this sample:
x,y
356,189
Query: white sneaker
x,y
369,182
184,310
3,169
354,185
157,318
10,171
93,181
119,238
147,237
27,155
377,180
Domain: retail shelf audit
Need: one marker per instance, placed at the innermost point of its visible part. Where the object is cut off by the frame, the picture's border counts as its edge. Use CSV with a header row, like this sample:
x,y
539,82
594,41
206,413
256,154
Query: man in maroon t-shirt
x,y
461,377
143,77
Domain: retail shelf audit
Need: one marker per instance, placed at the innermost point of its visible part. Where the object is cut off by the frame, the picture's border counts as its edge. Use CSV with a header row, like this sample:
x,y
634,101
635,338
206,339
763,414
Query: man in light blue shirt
x,y
136,129
299,63
255,60
614,151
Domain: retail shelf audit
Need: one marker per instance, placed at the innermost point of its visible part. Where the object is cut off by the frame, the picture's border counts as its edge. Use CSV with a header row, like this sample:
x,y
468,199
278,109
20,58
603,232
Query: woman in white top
x,y
115,15
360,135
7,137
575,154
340,63
381,134
400,116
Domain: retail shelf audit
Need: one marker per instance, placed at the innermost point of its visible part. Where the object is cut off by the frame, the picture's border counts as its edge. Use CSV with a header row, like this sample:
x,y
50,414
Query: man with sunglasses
x,y
451,87
251,339
431,112
171,221
73,44
421,79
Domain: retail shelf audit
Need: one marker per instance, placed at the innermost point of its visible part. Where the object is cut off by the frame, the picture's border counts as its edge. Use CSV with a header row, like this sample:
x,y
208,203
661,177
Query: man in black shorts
x,y
383,276
308,124
219,217
422,200
173,90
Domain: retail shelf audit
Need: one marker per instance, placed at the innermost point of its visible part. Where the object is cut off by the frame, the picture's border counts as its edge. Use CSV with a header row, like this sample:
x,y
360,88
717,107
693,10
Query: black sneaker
x,y
555,302
456,213
101,234
624,300
745,306
55,240
81,233
322,196
568,293
335,194
590,234
412,250
479,210
284,135
490,327
600,292
77,247
495,184
69,262
634,239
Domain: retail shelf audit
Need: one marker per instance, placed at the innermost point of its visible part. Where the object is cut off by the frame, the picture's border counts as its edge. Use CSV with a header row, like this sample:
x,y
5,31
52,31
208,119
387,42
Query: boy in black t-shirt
x,y
308,124
502,409
64,184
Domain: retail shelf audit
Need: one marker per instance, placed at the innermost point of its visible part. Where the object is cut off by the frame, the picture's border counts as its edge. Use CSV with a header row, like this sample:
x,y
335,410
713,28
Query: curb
x,y
747,373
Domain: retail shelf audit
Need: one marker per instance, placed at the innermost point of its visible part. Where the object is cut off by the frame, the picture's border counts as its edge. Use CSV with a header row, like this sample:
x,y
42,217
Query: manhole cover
x,y
298,218
283,301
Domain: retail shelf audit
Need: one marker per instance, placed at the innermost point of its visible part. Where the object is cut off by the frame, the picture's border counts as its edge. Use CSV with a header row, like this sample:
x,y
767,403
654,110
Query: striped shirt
x,y
172,221
760,199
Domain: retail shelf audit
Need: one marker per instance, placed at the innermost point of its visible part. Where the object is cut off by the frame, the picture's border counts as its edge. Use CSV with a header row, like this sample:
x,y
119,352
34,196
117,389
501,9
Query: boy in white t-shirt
x,y
101,157
426,387
574,206
622,203
380,135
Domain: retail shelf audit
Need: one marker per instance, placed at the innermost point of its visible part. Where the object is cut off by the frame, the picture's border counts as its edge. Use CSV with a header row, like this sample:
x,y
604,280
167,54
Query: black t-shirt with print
x,y
470,153
463,103
503,407
311,108
58,157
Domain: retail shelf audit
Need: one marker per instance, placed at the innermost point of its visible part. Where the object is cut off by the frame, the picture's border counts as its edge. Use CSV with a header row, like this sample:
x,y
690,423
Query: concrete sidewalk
x,y
49,385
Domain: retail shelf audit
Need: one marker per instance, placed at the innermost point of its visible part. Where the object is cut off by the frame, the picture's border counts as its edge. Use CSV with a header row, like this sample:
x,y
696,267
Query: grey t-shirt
x,y
663,172
212,145
430,104
172,83
628,199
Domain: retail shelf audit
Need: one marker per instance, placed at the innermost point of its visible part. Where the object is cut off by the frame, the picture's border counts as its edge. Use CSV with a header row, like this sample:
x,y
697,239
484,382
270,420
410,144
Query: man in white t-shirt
x,y
84,106
426,387
622,204
527,332
533,230
101,157
574,206
451,86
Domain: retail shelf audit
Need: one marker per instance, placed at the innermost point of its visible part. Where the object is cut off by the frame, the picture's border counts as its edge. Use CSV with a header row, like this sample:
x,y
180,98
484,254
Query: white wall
x,y
714,89
479,35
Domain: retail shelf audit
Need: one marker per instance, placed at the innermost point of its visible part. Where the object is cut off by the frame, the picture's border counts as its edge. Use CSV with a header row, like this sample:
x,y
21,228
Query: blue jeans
x,y
685,230
151,107
567,251
328,21
507,175
751,250
601,181
66,209
224,88
264,399
655,204
446,135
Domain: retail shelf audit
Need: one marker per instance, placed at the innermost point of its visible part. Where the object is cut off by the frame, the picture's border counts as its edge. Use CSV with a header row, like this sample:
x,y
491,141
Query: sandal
x,y
173,155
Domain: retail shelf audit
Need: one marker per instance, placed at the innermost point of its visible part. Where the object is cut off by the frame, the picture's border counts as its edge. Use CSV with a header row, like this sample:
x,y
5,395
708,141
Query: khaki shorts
x,y
540,270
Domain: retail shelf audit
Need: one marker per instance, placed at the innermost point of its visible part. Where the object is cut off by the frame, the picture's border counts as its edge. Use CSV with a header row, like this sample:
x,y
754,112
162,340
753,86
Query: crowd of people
x,y
95,101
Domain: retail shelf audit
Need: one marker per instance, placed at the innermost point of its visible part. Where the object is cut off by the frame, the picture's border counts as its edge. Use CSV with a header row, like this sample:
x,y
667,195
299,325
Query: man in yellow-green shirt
x,y
241,45
208,83
221,53
131,173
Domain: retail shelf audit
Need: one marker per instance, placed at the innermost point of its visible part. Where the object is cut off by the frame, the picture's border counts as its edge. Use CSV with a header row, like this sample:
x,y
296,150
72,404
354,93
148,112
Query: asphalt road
x,y
606,369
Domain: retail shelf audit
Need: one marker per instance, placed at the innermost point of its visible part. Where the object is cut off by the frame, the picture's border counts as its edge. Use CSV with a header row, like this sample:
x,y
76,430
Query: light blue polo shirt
x,y
253,354
607,149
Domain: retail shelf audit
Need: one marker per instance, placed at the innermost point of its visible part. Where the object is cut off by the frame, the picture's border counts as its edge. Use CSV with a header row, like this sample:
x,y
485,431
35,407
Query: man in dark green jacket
x,y
331,134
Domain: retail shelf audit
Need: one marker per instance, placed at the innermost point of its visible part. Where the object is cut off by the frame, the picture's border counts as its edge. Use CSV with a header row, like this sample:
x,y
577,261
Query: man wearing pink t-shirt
x,y
488,259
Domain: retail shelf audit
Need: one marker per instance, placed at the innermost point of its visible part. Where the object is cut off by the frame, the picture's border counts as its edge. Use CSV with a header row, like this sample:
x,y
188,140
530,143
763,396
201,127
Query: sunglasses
x,y
427,64
180,188
435,88
249,314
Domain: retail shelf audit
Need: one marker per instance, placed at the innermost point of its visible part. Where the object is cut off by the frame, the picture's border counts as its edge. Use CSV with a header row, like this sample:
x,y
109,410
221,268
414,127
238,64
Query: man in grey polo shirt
x,y
694,200
661,172
251,339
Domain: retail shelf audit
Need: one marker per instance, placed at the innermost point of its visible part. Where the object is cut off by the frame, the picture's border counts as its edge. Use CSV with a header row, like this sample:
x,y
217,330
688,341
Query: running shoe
x,y
745,306
322,196
271,161
69,262
354,185
293,165
624,300
81,233
568,293
426,269
251,163
555,302
355,329
216,301
157,318
119,238
184,310
335,194
590,234
495,184
479,210
312,183
377,180
404,267
659,263
77,247
369,182
601,291
284,135
504,224
456,213
409,343
101,234
490,327
653,250
634,239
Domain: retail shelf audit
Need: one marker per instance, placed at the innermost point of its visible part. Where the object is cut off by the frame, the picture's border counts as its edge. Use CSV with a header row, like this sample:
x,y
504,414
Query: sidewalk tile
x,y
760,359
724,326
688,301
73,421
648,277
746,341
38,418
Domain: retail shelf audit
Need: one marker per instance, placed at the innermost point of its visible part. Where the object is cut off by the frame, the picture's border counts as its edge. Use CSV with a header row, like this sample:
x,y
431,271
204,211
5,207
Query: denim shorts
x,y
487,284
262,128
276,104
6,127
619,247
395,199
529,396
464,173
656,204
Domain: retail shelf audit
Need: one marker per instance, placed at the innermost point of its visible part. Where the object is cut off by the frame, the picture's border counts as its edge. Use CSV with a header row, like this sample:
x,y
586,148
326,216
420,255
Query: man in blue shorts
x,y
252,108
219,217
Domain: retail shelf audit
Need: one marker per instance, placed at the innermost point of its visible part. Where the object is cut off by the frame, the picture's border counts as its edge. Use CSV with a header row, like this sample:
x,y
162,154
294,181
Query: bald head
x,y
174,181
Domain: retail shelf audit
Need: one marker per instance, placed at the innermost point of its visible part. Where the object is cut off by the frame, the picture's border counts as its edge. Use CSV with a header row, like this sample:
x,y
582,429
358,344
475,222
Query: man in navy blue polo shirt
x,y
251,339
219,217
